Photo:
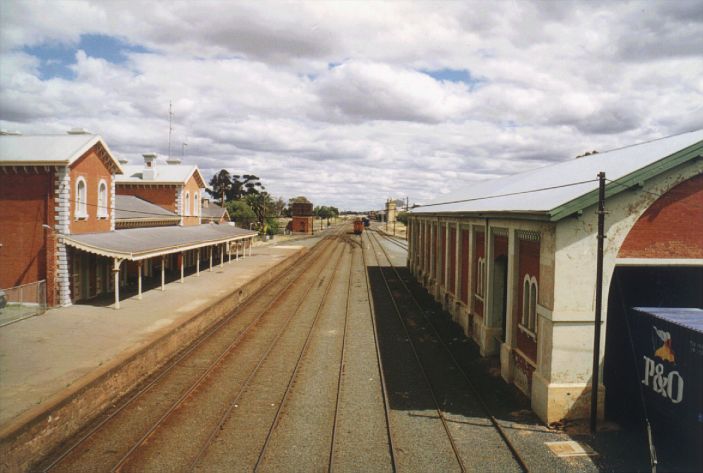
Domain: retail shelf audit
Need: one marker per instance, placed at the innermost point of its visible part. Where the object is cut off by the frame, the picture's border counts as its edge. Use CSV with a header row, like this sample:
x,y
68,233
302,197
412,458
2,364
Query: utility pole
x,y
599,299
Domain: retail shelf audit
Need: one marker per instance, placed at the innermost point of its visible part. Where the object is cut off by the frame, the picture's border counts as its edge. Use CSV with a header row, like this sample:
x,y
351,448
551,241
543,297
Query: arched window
x,y
528,316
481,277
533,306
187,204
102,199
196,204
524,320
81,209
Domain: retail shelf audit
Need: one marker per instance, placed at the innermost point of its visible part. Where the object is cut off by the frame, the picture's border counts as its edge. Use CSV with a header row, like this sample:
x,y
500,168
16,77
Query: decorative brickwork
x,y
672,227
62,189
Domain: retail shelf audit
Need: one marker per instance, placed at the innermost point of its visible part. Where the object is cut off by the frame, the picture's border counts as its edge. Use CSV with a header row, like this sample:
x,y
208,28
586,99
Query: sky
x,y
351,103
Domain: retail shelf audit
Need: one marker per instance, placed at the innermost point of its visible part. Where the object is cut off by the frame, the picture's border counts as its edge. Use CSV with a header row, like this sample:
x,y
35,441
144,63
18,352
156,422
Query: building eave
x,y
634,179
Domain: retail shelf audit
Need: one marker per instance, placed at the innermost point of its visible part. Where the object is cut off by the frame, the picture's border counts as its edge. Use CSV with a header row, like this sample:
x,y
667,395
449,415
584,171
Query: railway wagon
x,y
358,226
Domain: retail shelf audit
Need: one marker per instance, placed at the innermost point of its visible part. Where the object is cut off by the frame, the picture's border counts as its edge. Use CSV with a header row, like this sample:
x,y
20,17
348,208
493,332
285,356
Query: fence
x,y
20,302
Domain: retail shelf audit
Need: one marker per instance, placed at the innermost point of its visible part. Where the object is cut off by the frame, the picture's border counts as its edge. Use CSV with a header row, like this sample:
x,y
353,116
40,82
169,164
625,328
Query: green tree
x,y
247,184
263,206
241,213
221,185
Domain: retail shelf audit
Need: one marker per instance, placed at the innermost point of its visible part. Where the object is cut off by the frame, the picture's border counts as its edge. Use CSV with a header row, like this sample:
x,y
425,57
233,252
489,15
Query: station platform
x,y
48,360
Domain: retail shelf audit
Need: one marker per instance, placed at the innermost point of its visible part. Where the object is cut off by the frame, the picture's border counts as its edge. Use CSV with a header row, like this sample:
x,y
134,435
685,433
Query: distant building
x,y
516,266
303,219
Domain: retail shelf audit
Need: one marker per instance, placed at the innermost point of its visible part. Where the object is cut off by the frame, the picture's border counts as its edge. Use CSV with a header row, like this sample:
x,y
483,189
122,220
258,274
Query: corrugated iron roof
x,y
213,211
489,196
165,174
142,243
35,150
132,207
691,318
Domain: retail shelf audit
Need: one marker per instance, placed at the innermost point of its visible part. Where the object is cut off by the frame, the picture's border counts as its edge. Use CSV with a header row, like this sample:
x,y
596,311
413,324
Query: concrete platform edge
x,y
33,434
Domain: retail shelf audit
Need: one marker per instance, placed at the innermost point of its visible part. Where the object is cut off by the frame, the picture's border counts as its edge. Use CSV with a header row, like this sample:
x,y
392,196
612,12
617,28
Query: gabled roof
x,y
174,174
141,243
559,198
129,207
213,211
50,150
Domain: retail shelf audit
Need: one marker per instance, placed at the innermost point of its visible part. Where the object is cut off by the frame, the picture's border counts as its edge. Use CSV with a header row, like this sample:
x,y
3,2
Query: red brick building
x,y
513,260
58,219
174,186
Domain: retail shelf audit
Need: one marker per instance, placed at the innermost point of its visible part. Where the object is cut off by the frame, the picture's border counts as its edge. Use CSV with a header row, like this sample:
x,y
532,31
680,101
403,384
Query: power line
x,y
505,195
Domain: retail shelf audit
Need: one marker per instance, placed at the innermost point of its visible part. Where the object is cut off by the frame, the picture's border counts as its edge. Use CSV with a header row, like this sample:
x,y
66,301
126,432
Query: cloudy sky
x,y
349,103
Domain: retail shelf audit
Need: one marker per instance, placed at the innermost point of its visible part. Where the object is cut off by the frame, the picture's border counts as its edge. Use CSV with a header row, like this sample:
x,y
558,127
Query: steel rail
x,y
341,363
513,450
174,362
198,382
393,239
298,361
382,377
245,384
425,376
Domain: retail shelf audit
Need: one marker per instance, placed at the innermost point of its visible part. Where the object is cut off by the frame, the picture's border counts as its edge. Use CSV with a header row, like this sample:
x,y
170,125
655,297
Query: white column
x,y
236,248
183,257
229,251
163,273
139,280
222,256
251,245
210,248
197,264
116,275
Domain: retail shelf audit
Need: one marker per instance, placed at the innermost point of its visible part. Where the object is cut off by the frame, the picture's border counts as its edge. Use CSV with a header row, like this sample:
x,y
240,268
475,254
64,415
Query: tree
x,y
241,213
263,206
279,207
301,199
221,184
246,184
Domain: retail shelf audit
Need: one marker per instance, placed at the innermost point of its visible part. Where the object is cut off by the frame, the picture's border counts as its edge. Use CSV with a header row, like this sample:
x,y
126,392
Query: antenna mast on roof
x,y
170,127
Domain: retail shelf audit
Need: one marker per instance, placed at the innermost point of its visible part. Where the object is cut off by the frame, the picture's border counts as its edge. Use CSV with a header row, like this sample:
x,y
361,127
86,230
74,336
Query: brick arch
x,y
672,227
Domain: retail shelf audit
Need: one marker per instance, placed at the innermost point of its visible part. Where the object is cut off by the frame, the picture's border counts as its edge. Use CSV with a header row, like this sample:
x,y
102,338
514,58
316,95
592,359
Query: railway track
x,y
119,434
425,343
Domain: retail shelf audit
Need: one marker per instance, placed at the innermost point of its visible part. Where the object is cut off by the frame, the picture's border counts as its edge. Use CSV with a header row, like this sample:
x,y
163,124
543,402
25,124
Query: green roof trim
x,y
626,182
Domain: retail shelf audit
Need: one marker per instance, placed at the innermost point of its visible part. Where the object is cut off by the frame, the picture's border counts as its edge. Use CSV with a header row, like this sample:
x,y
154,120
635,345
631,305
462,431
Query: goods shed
x,y
514,259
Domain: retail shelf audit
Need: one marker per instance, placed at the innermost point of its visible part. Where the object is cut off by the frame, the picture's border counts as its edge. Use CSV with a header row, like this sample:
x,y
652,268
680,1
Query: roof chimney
x,y
78,131
149,172
123,161
173,160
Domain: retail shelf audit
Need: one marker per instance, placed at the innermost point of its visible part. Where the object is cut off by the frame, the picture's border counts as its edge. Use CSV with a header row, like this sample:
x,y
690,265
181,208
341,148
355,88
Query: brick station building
x,y
517,269
59,221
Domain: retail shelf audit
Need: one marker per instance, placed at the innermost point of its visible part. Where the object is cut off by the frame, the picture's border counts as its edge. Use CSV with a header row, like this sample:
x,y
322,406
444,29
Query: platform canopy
x,y
136,244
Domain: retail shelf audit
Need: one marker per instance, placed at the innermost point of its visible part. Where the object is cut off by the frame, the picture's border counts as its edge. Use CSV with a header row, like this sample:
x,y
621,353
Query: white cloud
x,y
328,99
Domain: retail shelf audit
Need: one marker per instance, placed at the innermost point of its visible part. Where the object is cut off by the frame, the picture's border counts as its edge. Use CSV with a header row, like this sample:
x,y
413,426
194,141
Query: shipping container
x,y
668,346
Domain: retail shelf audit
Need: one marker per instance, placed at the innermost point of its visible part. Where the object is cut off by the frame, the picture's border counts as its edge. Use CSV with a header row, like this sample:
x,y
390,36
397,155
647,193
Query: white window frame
x,y
102,199
186,210
196,204
81,204
528,316
481,278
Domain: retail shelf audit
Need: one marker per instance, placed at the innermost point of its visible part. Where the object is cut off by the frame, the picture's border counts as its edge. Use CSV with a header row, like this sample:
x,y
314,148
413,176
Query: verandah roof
x,y
141,243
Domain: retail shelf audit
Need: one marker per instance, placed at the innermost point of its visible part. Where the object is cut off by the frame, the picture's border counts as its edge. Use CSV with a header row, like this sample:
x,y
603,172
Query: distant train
x,y
358,226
